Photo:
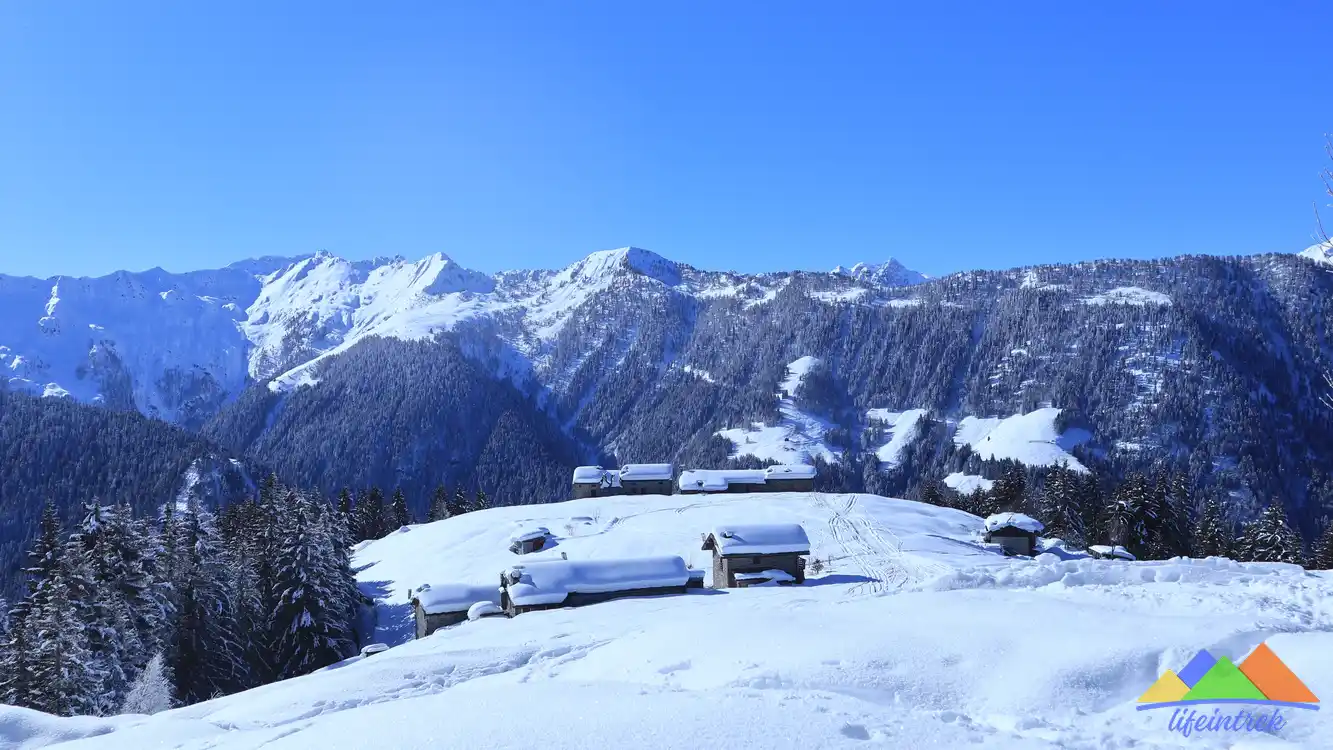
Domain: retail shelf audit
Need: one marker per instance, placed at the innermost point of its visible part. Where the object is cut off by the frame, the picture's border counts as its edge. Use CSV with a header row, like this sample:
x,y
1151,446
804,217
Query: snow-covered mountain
x,y
177,346
888,273
912,634
1319,253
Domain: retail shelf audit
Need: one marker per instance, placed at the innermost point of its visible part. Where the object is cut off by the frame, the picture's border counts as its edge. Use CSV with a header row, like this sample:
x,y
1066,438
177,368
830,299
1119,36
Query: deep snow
x,y
912,636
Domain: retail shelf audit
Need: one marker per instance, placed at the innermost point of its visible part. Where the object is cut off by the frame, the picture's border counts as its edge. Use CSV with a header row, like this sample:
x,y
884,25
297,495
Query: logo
x,y
1246,697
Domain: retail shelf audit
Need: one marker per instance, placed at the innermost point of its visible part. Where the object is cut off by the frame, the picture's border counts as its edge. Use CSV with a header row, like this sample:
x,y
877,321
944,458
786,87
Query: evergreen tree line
x,y
126,614
370,517
1154,516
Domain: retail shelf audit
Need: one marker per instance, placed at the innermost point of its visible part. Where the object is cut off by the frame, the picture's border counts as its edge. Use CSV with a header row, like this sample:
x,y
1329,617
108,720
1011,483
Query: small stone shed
x,y
551,584
1109,552
1015,532
529,540
789,478
746,555
439,606
777,478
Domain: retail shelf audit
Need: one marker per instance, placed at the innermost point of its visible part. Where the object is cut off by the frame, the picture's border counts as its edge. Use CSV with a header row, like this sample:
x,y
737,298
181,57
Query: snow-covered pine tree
x,y
151,691
16,659
1169,534
306,637
1212,534
398,515
1059,507
1010,490
480,501
1321,557
458,504
1269,539
208,657
345,502
95,607
1128,514
370,515
439,504
337,570
930,493
62,681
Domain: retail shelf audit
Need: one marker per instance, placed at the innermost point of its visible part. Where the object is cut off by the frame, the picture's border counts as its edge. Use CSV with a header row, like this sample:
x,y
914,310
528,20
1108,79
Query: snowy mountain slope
x,y
1031,439
800,435
981,651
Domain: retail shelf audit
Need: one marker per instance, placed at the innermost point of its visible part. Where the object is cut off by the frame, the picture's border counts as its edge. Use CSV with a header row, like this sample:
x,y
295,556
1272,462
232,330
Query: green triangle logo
x,y
1224,681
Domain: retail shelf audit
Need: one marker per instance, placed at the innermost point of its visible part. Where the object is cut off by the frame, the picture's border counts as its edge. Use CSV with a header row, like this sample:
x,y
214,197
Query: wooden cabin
x,y
551,584
435,607
747,555
1014,532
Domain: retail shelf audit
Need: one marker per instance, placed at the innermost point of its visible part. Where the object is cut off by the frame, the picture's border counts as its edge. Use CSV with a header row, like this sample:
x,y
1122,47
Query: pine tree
x,y
101,615
439,504
18,678
371,515
1130,514
398,515
1269,539
208,656
458,505
1059,509
62,682
151,691
1010,490
1170,536
480,501
930,493
345,503
309,631
1212,534
1321,558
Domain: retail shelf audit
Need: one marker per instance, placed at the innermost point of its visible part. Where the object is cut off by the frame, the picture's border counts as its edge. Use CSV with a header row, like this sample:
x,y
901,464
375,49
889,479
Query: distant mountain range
x,y
411,373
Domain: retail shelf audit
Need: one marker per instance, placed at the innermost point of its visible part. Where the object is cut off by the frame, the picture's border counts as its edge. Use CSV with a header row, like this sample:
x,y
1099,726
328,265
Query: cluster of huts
x,y
1016,534
743,555
661,479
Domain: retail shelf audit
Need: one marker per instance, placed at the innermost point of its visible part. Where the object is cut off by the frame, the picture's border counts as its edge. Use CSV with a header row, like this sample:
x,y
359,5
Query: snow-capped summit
x,y
1320,253
888,273
604,264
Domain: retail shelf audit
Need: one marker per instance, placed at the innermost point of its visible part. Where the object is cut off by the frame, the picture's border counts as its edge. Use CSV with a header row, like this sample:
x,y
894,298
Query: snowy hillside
x,y
798,438
947,645
1320,253
1031,438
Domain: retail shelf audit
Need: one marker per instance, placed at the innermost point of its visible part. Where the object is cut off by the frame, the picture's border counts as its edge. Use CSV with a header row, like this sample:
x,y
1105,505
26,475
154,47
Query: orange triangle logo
x,y
1274,679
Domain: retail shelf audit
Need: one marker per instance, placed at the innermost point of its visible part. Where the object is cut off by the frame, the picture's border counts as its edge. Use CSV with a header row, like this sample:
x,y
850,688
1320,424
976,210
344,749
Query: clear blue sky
x,y
742,135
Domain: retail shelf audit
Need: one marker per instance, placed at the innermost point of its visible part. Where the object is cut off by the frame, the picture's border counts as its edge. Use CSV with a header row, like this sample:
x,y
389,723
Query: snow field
x,y
955,647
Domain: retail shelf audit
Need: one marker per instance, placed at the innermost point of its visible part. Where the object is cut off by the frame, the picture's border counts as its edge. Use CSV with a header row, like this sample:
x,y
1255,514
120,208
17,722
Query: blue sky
x,y
740,135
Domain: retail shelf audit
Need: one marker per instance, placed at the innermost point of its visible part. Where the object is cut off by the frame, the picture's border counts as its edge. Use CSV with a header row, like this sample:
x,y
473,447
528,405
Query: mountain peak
x,y
889,273
604,264
1320,253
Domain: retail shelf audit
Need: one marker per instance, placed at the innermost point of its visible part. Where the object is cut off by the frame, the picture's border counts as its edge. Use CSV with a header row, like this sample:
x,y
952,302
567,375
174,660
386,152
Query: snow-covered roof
x,y
596,475
759,539
527,535
1013,521
631,472
445,598
790,471
1106,550
719,479
773,576
550,581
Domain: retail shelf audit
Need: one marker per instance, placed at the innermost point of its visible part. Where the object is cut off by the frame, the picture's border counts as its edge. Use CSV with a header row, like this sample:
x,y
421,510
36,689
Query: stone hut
x,y
746,555
435,607
778,478
789,478
594,481
1015,532
551,584
647,479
